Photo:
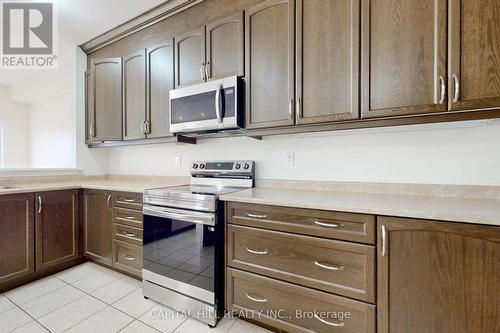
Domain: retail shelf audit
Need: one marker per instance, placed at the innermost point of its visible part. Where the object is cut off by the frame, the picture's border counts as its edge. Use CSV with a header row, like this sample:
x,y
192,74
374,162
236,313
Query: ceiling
x,y
78,22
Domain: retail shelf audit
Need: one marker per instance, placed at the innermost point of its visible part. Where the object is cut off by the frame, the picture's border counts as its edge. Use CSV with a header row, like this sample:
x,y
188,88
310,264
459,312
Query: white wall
x,y
458,153
14,131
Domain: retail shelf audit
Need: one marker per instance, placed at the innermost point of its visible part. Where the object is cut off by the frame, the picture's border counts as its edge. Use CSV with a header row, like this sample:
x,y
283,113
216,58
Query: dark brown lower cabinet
x,y
435,276
57,228
98,226
17,238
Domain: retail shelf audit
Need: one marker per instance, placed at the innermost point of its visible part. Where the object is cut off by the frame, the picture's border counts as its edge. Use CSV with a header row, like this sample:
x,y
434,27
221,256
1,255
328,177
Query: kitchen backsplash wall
x,y
465,154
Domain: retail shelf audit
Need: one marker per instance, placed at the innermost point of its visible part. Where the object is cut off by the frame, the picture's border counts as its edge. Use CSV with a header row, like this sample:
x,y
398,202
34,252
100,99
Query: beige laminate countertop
x,y
105,184
455,209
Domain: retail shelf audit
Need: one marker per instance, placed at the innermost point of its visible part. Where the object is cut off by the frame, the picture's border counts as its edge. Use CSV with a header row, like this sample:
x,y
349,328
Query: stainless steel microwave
x,y
210,106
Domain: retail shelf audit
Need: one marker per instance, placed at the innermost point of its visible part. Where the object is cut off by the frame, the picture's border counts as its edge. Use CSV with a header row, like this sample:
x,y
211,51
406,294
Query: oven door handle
x,y
201,218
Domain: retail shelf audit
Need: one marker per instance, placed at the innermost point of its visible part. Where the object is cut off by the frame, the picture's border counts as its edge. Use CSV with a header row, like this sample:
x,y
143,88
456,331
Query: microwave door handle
x,y
218,103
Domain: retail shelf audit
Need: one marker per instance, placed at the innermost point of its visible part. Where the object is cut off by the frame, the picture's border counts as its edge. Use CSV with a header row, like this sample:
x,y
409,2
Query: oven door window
x,y
194,108
182,251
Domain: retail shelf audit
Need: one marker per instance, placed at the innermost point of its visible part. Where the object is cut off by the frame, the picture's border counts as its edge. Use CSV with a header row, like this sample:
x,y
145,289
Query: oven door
x,y
179,251
207,106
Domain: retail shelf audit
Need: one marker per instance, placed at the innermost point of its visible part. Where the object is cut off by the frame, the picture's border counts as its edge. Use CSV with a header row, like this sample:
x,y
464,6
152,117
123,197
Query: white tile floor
x,y
91,298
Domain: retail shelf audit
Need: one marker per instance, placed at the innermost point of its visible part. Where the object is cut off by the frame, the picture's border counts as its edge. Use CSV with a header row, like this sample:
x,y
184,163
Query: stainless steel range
x,y
184,239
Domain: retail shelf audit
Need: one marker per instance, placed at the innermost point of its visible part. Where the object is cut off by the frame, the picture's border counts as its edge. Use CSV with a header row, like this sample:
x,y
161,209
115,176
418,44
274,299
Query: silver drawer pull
x,y
130,217
257,216
329,267
329,323
263,252
329,225
258,300
129,234
129,200
129,258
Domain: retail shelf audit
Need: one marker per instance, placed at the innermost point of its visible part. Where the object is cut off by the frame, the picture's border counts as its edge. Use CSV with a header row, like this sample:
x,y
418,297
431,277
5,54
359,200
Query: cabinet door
x,y
328,37
403,57
134,96
190,58
98,226
89,107
17,241
160,82
107,95
225,45
56,228
437,277
474,73
270,64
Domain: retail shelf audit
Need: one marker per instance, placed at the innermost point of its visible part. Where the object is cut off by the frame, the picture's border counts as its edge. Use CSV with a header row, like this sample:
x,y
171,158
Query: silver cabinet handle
x,y
129,200
258,300
108,201
443,89
218,103
383,240
207,71
456,95
130,217
92,131
257,216
329,323
39,204
329,225
202,71
298,112
129,234
290,109
261,253
329,267
129,258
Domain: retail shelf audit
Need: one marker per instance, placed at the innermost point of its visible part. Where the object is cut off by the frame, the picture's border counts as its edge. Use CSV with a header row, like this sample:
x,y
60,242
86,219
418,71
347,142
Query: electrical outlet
x,y
177,161
289,159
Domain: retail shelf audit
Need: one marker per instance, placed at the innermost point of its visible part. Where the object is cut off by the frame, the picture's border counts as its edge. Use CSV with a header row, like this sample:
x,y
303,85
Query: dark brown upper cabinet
x,y
160,80
225,47
17,239
190,58
269,64
210,52
435,276
474,54
134,96
328,36
104,111
57,228
98,226
403,57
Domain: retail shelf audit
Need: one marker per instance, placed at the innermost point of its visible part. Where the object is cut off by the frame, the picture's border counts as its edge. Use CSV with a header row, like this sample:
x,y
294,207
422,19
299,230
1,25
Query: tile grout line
x,y
19,304
34,320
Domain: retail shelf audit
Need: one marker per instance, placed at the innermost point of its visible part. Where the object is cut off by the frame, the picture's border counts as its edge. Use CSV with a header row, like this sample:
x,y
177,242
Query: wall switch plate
x,y
177,161
289,159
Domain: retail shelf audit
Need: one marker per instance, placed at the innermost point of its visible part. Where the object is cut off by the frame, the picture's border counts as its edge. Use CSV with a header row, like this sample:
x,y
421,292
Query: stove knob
x,y
202,166
246,166
237,166
195,166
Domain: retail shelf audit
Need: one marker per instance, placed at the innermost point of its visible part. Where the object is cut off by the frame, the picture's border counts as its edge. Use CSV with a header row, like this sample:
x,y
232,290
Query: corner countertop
x,y
454,209
135,186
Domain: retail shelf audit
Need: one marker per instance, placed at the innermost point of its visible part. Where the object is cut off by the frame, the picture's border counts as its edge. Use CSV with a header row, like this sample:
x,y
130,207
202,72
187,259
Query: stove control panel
x,y
223,168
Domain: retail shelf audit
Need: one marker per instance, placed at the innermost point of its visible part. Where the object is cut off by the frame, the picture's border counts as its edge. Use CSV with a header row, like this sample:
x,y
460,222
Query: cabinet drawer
x,y
294,308
127,257
343,268
128,200
128,234
126,216
337,225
